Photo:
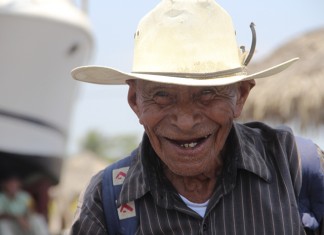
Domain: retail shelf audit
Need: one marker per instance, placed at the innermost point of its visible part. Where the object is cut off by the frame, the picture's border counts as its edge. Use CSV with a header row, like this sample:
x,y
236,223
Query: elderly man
x,y
196,170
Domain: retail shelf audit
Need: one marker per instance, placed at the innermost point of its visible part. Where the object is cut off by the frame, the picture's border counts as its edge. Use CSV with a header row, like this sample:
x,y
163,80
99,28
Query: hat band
x,y
223,73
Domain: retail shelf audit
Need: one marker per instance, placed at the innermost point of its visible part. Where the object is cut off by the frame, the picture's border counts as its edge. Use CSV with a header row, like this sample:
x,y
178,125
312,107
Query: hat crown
x,y
186,36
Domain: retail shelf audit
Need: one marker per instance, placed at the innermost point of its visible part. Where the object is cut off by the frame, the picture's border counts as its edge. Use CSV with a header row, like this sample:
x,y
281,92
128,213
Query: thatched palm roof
x,y
76,174
296,94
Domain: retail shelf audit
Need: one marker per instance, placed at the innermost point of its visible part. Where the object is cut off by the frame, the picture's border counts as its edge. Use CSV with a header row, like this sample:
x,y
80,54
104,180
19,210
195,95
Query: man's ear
x,y
132,95
244,89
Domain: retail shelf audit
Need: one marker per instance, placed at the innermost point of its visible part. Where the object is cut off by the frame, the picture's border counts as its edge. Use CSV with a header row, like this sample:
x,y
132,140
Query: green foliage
x,y
112,148
94,142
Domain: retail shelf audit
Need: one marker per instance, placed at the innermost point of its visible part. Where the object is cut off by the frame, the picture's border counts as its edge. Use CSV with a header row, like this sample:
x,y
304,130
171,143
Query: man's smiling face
x,y
187,126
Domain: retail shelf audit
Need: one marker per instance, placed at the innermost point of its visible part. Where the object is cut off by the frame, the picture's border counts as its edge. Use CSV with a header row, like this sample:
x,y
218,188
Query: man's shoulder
x,y
23,195
93,190
90,206
89,210
263,131
24,198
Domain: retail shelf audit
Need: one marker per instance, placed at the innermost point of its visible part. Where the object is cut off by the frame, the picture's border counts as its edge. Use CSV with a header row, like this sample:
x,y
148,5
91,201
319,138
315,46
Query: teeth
x,y
193,144
190,145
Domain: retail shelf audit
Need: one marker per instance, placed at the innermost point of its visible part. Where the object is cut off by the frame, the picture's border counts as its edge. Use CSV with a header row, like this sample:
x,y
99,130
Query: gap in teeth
x,y
189,145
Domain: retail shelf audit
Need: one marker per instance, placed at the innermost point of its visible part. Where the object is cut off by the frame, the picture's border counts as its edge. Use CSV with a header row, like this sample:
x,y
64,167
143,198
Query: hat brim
x,y
110,76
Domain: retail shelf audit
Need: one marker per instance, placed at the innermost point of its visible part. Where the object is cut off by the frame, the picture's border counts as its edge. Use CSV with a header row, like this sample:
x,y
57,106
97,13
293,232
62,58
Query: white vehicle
x,y
41,41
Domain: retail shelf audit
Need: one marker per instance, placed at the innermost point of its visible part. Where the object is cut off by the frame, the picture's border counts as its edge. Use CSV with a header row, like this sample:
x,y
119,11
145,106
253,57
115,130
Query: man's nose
x,y
186,117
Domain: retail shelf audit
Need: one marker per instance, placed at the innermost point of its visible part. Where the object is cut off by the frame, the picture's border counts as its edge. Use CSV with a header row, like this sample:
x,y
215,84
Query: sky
x,y
105,109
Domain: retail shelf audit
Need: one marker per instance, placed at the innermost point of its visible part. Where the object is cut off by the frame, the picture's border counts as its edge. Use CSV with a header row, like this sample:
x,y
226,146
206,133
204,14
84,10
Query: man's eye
x,y
162,98
207,94
161,94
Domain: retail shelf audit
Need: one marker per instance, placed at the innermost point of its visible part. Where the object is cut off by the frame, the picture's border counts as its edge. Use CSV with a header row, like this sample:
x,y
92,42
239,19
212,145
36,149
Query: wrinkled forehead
x,y
141,84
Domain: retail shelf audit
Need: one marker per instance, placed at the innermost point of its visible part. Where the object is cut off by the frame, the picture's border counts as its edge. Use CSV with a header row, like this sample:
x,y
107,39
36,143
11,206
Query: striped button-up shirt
x,y
256,192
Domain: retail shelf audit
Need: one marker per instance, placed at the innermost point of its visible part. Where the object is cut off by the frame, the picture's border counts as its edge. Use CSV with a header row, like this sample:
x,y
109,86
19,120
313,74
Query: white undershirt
x,y
200,208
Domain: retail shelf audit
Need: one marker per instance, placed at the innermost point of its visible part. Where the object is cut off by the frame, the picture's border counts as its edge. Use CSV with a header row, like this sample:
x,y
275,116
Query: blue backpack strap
x,y
312,190
110,192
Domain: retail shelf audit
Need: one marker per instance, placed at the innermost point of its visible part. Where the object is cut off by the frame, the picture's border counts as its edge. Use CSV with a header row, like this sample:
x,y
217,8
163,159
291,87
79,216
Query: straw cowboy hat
x,y
189,43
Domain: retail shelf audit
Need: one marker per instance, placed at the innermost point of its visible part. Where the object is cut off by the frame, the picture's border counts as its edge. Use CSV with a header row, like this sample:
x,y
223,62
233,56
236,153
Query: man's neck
x,y
196,189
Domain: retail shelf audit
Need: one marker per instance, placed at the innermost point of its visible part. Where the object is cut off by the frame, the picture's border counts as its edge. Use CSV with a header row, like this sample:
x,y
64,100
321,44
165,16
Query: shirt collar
x,y
142,175
250,153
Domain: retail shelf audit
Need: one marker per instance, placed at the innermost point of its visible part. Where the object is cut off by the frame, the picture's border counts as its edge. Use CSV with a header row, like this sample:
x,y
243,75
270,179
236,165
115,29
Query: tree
x,y
121,145
113,147
94,142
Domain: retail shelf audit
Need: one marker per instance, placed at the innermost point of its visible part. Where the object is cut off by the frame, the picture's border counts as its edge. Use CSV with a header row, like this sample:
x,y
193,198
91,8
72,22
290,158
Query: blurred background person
x,y
16,210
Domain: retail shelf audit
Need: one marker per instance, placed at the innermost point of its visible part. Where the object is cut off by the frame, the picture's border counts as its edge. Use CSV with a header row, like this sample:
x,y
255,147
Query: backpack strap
x,y
122,220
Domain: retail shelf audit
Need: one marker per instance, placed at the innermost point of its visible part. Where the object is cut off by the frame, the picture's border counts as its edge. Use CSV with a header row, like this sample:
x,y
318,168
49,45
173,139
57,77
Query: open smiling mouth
x,y
189,143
